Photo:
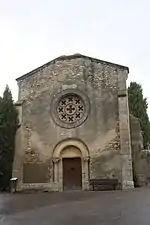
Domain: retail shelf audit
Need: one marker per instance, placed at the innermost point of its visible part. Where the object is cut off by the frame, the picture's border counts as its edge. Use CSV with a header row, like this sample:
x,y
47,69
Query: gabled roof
x,y
66,57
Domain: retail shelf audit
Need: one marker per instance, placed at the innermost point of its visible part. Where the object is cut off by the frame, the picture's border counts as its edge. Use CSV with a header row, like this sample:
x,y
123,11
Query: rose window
x,y
70,109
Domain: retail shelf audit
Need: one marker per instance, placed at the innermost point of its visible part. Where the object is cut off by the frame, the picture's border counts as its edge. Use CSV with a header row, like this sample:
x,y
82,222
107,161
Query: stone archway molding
x,y
70,142
57,160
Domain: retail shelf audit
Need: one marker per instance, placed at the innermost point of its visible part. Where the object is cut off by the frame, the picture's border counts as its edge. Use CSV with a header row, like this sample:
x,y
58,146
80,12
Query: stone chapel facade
x,y
74,125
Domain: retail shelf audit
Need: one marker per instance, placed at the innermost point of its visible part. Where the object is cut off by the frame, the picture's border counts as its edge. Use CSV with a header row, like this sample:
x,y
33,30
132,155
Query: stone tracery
x,y
70,108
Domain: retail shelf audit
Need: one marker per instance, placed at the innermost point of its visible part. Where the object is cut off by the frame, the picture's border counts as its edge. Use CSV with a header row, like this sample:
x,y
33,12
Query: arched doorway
x,y
72,168
71,165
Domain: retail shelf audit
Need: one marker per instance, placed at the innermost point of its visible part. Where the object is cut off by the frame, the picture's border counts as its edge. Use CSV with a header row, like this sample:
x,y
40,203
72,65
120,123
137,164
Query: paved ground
x,y
86,208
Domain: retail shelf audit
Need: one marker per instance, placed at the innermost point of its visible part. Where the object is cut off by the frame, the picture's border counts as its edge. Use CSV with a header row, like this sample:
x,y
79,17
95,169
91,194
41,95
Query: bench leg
x,y
114,187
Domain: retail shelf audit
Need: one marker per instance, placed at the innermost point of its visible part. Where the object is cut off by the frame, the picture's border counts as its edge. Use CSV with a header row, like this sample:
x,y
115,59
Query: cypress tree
x,y
138,107
8,128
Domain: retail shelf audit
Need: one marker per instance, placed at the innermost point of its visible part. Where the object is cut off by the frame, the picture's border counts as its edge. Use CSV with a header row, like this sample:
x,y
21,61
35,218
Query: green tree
x,y
138,107
8,128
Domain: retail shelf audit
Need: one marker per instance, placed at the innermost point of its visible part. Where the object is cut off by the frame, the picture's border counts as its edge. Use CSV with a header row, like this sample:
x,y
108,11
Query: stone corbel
x,y
56,160
122,93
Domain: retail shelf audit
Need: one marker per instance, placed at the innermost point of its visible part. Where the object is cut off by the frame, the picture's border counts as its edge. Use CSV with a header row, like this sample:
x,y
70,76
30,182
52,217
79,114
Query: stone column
x,y
60,183
85,173
125,142
56,173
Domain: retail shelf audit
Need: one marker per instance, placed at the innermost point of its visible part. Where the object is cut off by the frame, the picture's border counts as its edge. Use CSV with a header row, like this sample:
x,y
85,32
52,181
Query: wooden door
x,y
72,174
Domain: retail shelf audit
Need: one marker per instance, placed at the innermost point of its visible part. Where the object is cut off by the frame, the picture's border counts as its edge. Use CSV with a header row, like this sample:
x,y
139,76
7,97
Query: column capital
x,y
55,159
86,159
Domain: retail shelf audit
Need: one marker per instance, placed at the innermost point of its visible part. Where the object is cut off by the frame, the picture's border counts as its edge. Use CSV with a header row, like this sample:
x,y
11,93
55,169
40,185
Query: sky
x,y
33,32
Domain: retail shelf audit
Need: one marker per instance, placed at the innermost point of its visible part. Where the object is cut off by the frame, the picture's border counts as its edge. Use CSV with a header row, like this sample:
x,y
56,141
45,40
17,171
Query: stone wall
x,y
141,157
101,83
